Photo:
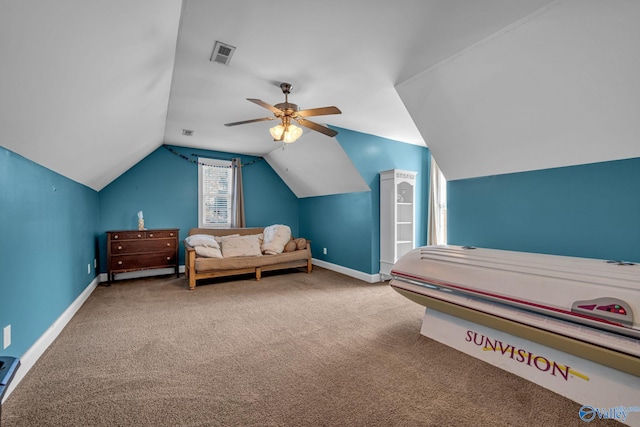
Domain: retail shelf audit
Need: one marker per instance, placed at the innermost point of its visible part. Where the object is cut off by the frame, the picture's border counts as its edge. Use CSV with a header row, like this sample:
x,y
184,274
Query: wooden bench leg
x,y
309,266
258,273
190,269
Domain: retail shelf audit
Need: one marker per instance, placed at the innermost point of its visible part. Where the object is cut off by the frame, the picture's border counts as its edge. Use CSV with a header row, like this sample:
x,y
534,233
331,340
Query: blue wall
x,y
348,225
164,186
590,211
49,226
42,212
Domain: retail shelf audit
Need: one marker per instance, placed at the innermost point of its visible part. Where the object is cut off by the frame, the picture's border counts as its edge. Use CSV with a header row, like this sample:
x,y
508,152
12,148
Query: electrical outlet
x,y
88,268
95,263
6,337
324,251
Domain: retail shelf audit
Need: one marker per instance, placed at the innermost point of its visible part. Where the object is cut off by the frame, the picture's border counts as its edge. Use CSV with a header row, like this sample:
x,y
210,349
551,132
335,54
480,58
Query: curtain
x,y
437,230
237,218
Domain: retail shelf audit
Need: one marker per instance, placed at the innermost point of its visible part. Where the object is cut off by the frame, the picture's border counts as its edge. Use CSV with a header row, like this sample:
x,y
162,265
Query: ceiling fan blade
x,y
318,128
269,107
319,111
244,122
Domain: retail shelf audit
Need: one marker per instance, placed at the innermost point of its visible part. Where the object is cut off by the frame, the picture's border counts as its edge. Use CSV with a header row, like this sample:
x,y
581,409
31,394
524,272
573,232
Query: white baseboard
x,y
31,356
370,278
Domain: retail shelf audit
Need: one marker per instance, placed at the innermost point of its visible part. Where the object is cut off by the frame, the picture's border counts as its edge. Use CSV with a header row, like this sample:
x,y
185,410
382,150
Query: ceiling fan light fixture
x,y
276,132
292,133
289,134
286,112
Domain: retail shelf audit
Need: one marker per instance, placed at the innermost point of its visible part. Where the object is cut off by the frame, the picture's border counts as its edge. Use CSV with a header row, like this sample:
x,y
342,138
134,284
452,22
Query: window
x,y
437,234
441,222
215,193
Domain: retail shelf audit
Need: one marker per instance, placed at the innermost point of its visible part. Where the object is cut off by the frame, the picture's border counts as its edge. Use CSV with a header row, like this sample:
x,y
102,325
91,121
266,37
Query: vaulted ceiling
x,y
88,89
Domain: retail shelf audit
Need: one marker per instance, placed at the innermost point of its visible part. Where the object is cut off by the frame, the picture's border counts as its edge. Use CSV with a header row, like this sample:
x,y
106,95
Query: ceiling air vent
x,y
187,132
222,53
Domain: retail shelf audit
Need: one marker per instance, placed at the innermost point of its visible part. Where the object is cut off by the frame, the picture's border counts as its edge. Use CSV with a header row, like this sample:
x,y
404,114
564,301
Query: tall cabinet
x,y
397,217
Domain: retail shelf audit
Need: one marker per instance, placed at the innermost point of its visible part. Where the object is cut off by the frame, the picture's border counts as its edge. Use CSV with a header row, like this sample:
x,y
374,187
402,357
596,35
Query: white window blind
x,y
215,191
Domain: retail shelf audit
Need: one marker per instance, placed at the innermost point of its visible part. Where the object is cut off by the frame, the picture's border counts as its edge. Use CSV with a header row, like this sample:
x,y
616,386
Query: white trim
x,y
31,356
370,278
225,164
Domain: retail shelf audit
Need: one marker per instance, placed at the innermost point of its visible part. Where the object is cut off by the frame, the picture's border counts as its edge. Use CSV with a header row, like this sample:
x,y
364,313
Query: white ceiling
x,y
316,165
90,88
84,85
558,88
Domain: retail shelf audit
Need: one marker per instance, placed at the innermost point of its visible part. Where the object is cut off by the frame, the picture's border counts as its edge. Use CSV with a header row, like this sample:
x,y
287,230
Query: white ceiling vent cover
x,y
222,53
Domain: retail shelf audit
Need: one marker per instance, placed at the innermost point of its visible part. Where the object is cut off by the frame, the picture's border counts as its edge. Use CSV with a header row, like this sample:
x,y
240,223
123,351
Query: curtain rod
x,y
257,159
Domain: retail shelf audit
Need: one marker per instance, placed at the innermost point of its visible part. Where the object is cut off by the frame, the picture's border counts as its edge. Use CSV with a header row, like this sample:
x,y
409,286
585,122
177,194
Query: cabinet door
x,y
404,192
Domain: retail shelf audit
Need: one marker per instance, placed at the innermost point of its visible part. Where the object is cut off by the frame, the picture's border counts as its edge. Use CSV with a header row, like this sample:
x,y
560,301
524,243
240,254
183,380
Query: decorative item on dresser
x,y
134,250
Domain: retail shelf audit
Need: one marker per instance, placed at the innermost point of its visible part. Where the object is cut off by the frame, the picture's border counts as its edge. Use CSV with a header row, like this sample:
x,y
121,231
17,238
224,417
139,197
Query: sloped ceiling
x,y
316,166
84,85
350,54
555,89
90,88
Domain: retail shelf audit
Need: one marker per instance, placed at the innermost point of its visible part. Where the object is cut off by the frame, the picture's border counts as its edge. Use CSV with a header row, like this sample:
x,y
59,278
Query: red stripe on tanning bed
x,y
436,282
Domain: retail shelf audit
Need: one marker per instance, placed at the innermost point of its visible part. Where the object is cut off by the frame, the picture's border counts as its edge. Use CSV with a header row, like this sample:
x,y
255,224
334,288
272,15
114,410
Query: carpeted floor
x,y
293,349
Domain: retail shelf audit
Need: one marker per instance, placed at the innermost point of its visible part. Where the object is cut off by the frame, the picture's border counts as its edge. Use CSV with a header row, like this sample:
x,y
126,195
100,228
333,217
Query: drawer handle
x,y
168,258
119,262
168,244
119,247
115,237
151,235
139,236
171,234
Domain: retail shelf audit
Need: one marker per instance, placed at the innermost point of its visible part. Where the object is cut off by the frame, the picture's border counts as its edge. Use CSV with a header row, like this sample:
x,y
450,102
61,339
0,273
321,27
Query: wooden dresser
x,y
133,250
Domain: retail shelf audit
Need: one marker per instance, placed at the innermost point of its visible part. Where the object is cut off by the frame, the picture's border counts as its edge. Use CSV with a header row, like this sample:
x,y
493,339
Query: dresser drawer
x,y
141,261
127,235
161,234
142,246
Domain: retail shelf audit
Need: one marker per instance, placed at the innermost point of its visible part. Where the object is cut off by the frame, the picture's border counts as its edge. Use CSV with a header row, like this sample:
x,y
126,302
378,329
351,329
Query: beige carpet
x,y
293,349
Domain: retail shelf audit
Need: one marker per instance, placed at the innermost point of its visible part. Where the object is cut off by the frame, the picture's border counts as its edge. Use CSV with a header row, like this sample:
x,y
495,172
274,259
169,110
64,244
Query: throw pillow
x,y
202,240
275,237
290,246
241,246
301,243
219,239
208,252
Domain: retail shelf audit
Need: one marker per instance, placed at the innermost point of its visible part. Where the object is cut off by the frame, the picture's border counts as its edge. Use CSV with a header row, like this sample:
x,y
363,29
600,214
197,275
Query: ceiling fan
x,y
286,111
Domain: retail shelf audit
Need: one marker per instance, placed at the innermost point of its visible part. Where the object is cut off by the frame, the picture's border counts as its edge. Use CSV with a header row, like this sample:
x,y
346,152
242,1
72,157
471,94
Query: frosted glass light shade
x,y
291,133
276,132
